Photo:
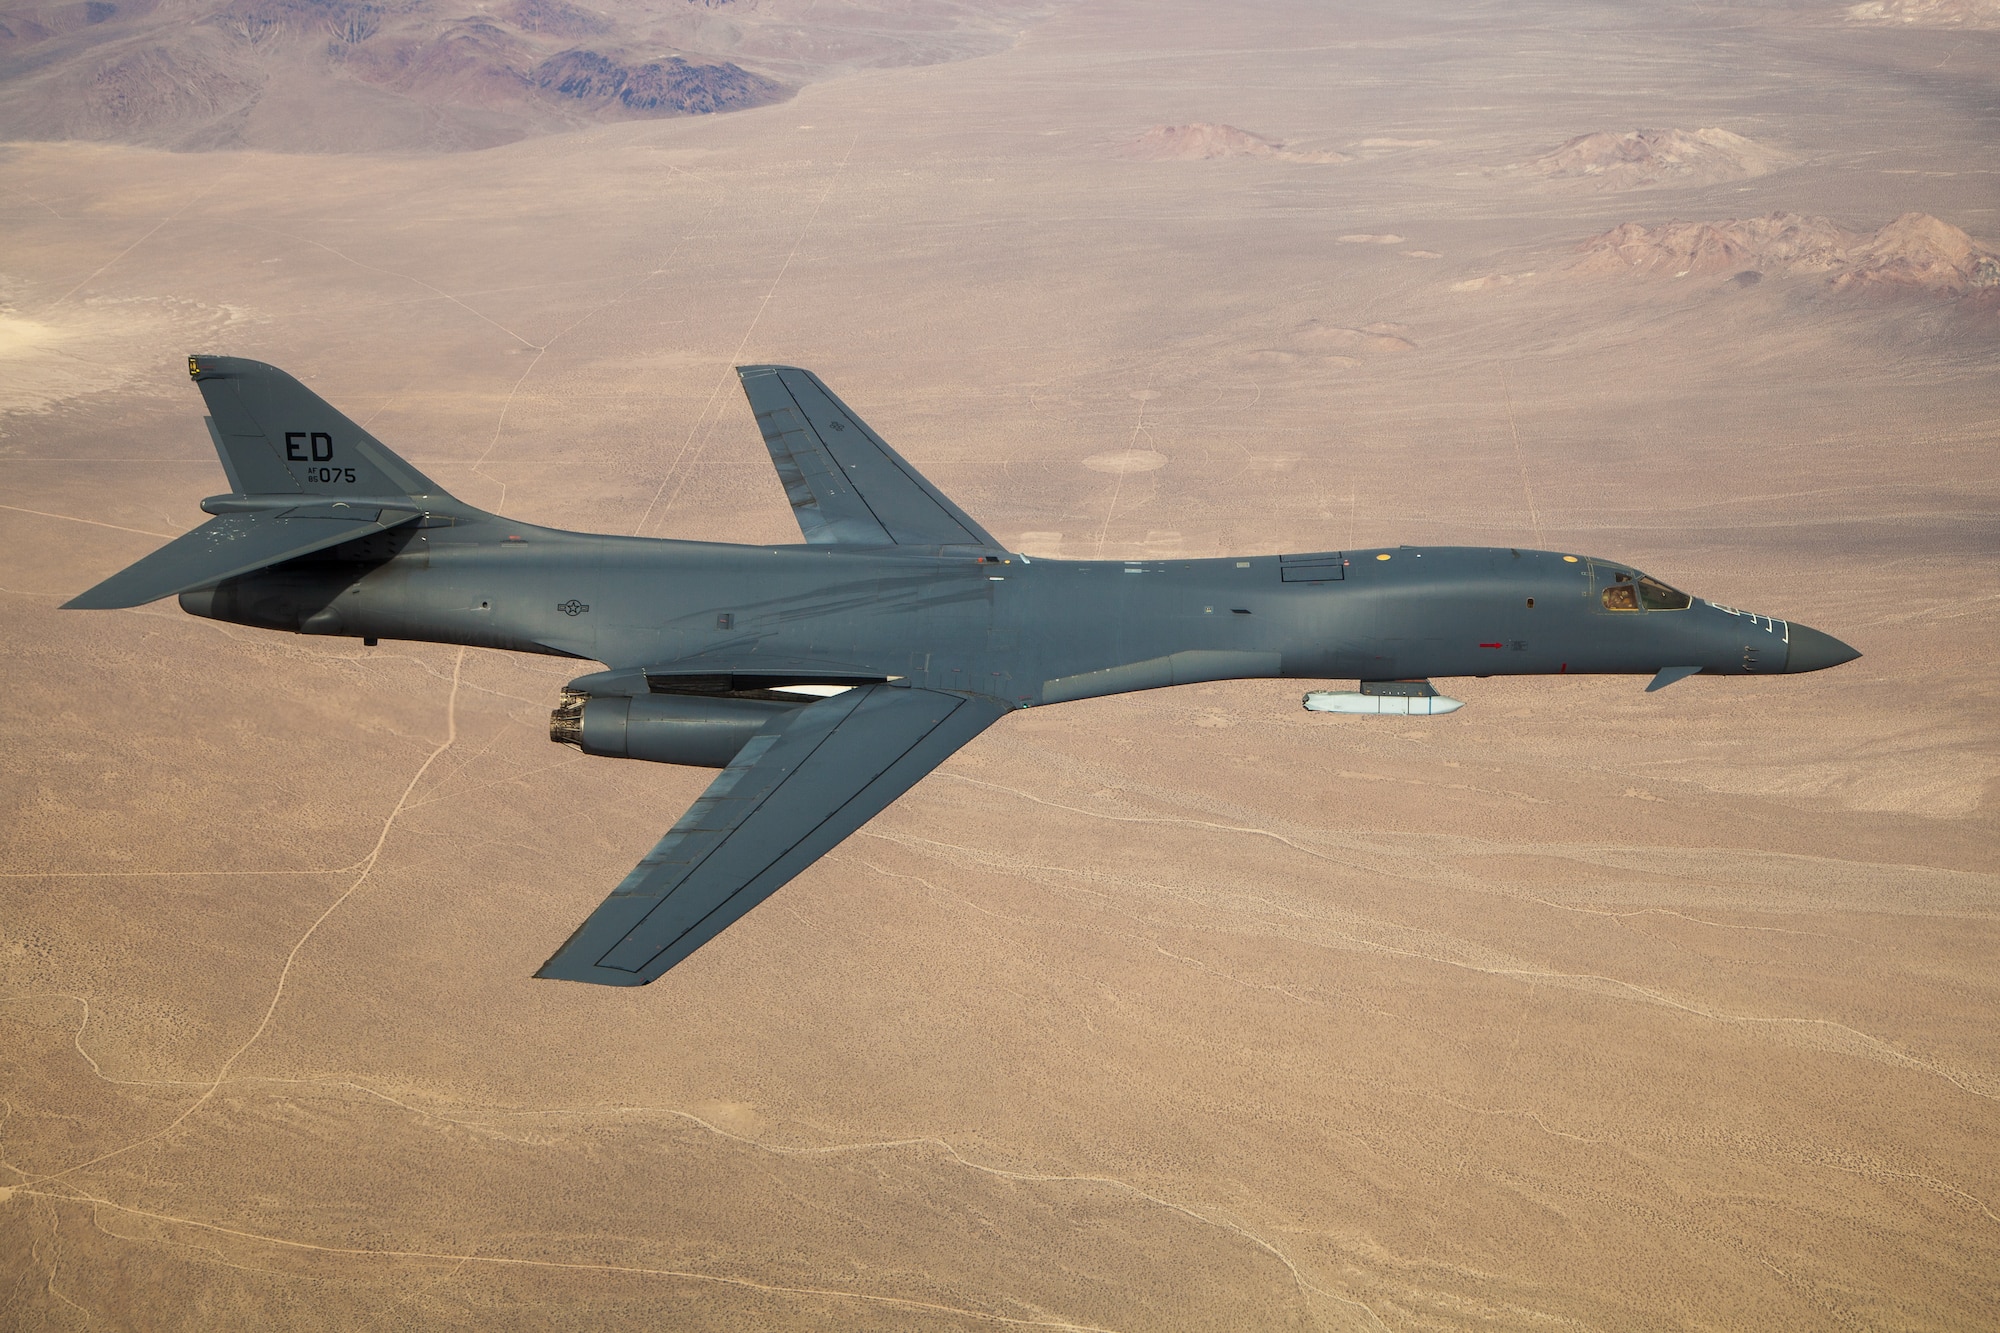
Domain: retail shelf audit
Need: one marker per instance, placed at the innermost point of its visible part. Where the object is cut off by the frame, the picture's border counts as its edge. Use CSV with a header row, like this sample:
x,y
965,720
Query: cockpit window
x,y
1657,596
1621,597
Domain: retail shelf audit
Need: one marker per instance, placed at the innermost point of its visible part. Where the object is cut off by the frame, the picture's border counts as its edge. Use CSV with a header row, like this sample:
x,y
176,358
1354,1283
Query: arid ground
x,y
1582,1008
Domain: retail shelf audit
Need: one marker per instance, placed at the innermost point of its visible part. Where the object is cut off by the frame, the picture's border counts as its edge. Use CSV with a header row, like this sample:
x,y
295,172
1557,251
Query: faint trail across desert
x,y
704,422
502,1261
367,866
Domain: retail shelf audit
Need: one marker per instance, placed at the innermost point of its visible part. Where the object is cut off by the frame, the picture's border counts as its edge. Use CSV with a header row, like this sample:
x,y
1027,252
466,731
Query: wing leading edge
x,y
847,486
787,799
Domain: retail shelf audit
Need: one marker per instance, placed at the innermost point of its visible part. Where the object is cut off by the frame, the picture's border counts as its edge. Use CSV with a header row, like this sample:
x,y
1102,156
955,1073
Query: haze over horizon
x,y
1186,1009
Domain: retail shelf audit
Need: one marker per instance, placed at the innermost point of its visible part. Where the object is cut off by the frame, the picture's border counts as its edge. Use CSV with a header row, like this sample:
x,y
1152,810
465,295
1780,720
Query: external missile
x,y
1372,705
1384,698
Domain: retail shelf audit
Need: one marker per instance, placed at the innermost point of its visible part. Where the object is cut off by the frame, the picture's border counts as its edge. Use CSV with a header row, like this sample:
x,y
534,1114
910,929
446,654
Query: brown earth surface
x,y
1206,143
1583,1007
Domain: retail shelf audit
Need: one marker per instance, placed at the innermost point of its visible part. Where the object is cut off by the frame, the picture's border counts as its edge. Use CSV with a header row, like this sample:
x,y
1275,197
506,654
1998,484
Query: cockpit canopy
x,y
1648,594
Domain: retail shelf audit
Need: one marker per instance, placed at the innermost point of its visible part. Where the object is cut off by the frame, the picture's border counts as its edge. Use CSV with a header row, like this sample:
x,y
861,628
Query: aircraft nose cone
x,y
1811,650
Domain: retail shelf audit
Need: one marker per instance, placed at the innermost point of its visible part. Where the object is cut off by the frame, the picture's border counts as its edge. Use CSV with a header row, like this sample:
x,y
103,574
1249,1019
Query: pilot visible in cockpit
x,y
1648,594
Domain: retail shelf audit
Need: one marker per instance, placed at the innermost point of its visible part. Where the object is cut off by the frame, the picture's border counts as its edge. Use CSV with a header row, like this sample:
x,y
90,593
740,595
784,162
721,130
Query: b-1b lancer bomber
x,y
825,679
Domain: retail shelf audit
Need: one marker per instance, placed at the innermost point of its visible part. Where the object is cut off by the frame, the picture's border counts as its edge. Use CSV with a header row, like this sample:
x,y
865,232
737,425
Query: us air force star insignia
x,y
837,425
572,607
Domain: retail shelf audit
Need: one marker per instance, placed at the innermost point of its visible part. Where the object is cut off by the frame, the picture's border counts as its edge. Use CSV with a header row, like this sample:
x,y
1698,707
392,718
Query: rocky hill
x,y
1639,159
1927,13
672,87
1915,252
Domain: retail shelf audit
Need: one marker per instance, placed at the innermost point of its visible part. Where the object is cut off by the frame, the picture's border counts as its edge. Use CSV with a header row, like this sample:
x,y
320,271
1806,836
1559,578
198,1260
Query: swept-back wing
x,y
232,544
787,799
846,486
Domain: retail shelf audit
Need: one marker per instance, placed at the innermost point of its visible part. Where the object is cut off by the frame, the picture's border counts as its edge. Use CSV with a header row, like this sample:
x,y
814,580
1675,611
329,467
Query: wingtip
x,y
556,969
94,600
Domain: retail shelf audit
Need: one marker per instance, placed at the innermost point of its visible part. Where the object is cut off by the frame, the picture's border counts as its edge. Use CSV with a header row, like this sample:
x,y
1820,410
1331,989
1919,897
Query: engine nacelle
x,y
698,730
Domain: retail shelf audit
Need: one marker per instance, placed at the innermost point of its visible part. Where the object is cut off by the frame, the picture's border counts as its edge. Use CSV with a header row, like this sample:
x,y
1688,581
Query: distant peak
x,y
1637,159
1915,251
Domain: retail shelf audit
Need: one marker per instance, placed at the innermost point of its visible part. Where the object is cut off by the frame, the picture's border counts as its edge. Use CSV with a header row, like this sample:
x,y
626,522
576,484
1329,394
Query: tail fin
x,y
279,438
305,479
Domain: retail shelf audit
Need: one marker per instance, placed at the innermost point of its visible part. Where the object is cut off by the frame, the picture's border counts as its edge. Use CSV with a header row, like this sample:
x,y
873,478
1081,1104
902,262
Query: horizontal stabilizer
x,y
229,545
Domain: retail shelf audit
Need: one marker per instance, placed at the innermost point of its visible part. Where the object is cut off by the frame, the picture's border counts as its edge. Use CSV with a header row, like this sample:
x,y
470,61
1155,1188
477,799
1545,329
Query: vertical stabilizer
x,y
279,438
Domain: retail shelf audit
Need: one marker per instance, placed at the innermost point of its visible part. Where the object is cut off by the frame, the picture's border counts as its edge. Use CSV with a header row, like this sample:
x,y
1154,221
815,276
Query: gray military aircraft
x,y
826,679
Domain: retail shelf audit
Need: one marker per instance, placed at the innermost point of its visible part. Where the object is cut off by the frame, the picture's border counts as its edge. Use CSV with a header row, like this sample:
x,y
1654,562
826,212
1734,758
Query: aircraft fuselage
x,y
1023,629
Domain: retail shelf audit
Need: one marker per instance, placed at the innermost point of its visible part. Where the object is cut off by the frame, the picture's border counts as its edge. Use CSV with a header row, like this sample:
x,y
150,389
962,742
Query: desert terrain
x,y
1582,1008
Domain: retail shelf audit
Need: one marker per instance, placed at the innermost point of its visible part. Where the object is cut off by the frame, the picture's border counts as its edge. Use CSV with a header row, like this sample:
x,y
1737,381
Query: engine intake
x,y
700,731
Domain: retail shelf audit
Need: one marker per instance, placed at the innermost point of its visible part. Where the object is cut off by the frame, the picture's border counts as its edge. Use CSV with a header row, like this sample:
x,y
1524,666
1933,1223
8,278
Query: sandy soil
x,y
1207,143
1580,1008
